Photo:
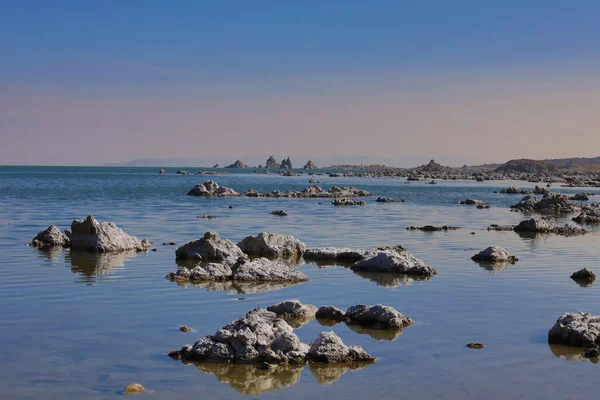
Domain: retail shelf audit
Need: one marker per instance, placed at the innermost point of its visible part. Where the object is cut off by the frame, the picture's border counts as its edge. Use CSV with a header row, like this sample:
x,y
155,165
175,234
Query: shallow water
x,y
84,326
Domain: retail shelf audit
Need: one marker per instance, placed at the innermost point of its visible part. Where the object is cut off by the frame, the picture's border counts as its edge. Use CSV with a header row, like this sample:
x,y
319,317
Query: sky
x,y
87,83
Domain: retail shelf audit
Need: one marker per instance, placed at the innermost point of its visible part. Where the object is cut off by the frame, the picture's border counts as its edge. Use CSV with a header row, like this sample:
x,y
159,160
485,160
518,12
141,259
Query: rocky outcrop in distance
x,y
310,165
237,164
210,189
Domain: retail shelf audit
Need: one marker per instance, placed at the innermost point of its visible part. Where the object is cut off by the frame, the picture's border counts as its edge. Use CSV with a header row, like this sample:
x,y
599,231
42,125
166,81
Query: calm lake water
x,y
75,326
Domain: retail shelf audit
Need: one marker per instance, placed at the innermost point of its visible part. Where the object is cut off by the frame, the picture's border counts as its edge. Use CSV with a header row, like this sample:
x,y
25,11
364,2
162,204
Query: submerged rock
x,y
272,245
475,345
377,317
472,202
431,228
329,348
103,237
514,190
49,237
395,261
389,200
335,254
576,329
291,309
211,188
280,213
134,388
348,202
209,248
495,254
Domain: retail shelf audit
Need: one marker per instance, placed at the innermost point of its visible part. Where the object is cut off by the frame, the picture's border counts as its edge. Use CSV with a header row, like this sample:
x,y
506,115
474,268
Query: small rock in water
x,y
185,329
495,254
475,345
584,274
331,313
175,354
169,244
134,388
154,249
207,216
230,206
281,213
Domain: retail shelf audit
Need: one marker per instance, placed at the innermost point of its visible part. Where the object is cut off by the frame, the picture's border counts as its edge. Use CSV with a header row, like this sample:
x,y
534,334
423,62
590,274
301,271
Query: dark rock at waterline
x,y
475,345
431,228
348,202
584,275
330,313
591,353
378,317
280,213
389,200
185,329
579,197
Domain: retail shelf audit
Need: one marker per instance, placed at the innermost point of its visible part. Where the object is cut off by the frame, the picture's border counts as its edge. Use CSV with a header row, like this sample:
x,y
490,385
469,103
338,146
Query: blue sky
x,y
139,49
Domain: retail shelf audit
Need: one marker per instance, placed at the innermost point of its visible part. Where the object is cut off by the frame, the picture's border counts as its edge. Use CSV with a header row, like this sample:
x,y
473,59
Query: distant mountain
x,y
576,162
527,165
402,161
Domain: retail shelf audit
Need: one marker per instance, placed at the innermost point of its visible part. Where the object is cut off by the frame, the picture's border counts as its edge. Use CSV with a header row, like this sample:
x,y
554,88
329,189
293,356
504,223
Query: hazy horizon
x,y
90,84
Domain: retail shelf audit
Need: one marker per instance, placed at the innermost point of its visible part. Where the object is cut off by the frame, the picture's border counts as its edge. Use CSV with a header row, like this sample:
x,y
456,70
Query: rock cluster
x,y
588,216
271,163
243,270
262,337
554,203
211,188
